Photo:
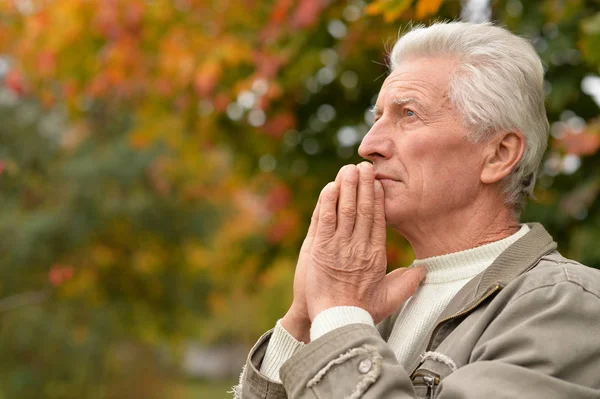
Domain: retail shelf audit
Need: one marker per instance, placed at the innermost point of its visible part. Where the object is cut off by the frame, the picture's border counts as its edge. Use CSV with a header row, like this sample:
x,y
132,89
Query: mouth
x,y
386,179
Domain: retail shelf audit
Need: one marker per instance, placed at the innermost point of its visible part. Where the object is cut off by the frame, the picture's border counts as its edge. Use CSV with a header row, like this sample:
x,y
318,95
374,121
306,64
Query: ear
x,y
502,155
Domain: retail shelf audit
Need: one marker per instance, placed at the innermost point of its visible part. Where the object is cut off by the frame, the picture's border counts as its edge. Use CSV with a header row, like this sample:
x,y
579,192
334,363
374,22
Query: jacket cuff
x,y
312,359
336,317
281,347
254,384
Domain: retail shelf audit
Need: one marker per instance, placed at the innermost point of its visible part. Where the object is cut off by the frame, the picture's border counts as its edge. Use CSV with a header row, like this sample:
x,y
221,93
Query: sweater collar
x,y
468,263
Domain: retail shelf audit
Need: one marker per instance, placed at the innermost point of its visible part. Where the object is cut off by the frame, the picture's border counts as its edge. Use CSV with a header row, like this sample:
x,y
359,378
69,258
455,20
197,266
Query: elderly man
x,y
494,310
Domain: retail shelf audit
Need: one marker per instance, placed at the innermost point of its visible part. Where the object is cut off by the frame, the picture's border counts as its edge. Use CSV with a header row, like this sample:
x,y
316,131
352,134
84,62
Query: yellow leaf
x,y
391,9
426,8
139,139
375,7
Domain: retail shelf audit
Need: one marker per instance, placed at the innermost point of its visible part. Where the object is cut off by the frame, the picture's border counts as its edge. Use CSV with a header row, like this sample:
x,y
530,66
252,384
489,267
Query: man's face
x,y
418,147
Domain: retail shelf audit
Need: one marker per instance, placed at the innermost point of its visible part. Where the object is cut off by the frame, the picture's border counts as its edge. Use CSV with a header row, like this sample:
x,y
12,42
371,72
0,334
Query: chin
x,y
395,218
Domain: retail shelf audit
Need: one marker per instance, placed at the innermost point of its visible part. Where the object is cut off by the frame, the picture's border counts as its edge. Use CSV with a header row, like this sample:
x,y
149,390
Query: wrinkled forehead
x,y
426,79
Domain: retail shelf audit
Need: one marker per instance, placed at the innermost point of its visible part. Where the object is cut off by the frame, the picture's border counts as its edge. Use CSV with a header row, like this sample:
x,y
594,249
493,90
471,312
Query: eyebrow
x,y
398,101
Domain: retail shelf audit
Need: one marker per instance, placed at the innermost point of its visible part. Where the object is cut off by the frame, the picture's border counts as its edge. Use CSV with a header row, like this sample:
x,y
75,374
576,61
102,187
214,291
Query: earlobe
x,y
503,154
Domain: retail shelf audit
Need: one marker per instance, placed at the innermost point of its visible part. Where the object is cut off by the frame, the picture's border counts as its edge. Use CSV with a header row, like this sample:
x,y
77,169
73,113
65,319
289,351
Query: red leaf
x,y
133,15
206,78
280,11
279,124
307,13
285,225
278,198
15,82
59,274
584,143
46,63
220,102
267,65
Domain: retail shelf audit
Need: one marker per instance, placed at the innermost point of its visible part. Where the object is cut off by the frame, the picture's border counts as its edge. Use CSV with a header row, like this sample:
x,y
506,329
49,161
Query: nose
x,y
376,145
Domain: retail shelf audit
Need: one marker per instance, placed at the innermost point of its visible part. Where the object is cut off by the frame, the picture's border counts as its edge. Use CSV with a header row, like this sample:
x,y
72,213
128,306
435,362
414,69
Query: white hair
x,y
498,86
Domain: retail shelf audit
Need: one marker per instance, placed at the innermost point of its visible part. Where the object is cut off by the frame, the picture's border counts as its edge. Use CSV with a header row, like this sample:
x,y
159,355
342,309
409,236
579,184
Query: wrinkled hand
x,y
345,259
296,321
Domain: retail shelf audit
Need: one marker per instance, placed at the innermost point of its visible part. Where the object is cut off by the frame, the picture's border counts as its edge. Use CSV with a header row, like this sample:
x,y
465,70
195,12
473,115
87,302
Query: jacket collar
x,y
517,259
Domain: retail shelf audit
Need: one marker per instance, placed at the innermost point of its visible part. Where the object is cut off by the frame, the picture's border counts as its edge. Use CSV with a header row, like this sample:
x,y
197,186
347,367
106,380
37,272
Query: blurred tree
x,y
159,161
566,35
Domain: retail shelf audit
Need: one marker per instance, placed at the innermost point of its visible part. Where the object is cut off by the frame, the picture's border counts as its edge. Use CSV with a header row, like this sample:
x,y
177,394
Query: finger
x,y
401,285
314,221
346,209
364,202
327,212
378,230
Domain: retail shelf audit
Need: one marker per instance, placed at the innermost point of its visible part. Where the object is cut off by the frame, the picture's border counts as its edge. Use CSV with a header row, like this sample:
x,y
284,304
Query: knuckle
x,y
379,222
364,250
365,210
350,181
347,210
346,252
328,218
357,252
367,178
329,195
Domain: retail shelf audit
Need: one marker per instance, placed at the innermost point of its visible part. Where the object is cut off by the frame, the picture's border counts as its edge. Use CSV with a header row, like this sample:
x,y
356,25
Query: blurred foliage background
x,y
159,161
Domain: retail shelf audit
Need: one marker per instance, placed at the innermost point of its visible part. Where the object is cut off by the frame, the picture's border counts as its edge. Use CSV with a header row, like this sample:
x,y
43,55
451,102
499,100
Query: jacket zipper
x,y
430,380
491,292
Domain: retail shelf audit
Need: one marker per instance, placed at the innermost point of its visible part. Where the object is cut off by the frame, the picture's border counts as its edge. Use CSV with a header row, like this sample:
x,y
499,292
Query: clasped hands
x,y
343,259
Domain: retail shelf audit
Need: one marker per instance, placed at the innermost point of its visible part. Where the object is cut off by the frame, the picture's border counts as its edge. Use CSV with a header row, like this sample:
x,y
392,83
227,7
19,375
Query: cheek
x,y
452,181
447,173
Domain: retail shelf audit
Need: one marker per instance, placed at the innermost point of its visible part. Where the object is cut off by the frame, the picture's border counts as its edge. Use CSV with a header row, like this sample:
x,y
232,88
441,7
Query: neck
x,y
459,231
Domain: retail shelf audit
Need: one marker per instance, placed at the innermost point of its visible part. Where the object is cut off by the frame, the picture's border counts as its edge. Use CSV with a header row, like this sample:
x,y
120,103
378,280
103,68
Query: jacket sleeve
x,y
253,384
543,345
350,362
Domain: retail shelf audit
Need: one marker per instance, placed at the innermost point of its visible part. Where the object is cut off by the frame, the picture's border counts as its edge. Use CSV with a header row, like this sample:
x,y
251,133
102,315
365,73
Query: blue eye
x,y
410,113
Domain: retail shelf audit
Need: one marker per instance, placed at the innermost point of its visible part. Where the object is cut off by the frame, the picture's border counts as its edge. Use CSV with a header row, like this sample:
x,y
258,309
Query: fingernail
x,y
421,272
377,185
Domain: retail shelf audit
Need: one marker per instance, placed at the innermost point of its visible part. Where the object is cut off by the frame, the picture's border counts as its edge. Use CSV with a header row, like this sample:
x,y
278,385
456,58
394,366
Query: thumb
x,y
402,284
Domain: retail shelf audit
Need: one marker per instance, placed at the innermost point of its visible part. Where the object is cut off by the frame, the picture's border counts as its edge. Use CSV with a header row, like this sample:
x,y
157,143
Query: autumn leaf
x,y
277,125
306,13
280,11
207,77
391,9
426,8
586,142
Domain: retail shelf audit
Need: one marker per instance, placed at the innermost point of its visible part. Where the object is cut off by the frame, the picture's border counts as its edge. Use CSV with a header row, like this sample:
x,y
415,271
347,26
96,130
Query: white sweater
x,y
446,275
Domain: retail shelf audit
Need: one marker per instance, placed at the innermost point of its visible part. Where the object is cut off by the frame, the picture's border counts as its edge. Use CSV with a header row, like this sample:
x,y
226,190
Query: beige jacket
x,y
527,327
